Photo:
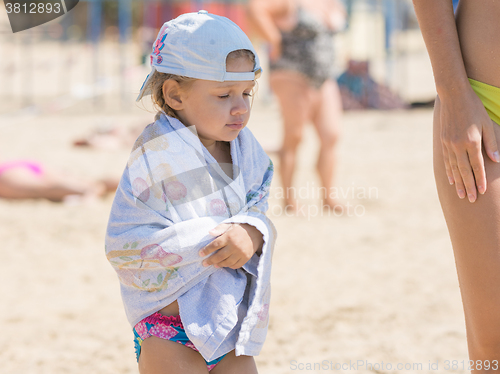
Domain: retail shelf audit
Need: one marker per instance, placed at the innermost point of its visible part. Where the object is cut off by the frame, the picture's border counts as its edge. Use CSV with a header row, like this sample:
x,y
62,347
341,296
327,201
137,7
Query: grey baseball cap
x,y
196,45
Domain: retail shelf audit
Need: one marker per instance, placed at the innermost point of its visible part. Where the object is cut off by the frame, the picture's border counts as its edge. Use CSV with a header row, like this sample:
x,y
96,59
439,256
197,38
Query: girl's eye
x,y
248,94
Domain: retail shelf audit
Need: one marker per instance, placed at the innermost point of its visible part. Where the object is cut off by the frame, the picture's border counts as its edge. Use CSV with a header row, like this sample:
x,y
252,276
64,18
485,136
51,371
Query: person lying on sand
x,y
23,179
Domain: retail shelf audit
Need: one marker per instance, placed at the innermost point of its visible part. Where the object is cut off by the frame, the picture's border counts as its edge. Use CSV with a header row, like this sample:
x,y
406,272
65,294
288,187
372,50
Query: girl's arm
x,y
242,239
235,245
463,118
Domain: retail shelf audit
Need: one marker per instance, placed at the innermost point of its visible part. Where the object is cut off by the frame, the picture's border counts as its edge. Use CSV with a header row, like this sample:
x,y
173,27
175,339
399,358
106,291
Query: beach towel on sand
x,y
172,193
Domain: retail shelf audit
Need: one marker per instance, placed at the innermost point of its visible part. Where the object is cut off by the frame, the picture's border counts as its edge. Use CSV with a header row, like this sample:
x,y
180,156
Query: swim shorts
x,y
164,327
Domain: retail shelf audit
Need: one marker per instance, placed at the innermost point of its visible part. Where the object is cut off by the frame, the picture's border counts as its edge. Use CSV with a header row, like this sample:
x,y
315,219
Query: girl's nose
x,y
241,106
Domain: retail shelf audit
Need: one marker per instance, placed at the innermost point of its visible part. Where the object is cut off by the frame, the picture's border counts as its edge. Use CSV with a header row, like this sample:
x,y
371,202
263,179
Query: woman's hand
x,y
274,51
235,244
262,15
465,126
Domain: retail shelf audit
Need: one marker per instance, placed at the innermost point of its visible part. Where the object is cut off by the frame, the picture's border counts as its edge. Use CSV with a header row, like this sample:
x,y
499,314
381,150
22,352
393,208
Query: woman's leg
x,y
326,119
21,183
238,365
294,95
161,356
475,236
113,138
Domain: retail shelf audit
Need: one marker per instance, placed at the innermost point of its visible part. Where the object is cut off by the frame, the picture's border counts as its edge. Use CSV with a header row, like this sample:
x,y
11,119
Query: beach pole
x,y
167,11
196,5
65,77
93,32
124,24
9,70
403,63
389,10
29,65
228,9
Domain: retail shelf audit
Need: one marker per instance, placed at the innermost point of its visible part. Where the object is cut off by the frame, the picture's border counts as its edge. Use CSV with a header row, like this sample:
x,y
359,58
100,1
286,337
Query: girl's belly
x,y
171,309
478,25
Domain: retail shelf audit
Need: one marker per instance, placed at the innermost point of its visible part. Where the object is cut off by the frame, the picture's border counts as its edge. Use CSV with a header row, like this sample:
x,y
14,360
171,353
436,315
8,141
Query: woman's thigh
x,y
328,112
475,234
294,96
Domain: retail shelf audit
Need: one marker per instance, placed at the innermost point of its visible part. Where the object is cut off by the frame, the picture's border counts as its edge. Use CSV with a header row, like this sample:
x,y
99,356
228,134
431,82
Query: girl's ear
x,y
172,94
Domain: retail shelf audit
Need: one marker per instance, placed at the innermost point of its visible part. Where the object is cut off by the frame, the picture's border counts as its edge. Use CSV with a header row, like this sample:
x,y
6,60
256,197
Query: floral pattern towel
x,y
172,193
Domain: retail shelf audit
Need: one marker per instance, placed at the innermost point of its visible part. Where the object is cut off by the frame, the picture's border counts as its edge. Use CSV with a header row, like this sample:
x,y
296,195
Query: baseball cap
x,y
196,45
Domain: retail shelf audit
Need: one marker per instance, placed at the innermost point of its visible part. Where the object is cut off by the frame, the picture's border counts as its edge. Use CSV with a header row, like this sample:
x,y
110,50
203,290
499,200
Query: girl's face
x,y
218,110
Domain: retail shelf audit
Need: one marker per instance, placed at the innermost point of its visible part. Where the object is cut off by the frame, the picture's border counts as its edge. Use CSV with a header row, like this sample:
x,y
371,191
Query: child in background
x,y
187,233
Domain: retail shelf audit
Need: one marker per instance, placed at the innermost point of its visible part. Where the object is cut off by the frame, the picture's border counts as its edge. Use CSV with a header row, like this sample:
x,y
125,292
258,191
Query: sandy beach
x,y
373,290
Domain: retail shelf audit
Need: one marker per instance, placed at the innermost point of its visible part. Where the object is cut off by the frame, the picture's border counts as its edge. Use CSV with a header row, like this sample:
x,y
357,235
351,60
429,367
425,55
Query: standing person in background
x,y
465,56
300,34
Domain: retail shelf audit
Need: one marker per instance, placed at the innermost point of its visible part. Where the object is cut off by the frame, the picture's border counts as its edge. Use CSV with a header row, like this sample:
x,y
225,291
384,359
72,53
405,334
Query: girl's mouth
x,y
235,126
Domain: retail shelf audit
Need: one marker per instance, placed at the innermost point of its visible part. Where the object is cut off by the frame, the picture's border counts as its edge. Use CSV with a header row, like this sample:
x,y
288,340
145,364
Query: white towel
x,y
172,193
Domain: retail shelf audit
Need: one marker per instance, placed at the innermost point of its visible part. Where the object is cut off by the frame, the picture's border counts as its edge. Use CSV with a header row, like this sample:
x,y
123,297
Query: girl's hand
x,y
235,244
464,122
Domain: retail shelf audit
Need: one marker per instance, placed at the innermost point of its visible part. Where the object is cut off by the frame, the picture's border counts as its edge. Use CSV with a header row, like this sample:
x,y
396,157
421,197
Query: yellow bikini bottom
x,y
490,96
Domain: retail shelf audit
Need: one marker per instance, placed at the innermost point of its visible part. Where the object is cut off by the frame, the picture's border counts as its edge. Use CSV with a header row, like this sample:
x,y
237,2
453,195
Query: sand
x,y
373,290
376,284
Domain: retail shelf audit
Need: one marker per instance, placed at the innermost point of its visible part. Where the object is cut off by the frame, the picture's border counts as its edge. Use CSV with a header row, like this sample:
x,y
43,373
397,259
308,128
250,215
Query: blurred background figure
x,y
22,179
110,138
300,36
360,91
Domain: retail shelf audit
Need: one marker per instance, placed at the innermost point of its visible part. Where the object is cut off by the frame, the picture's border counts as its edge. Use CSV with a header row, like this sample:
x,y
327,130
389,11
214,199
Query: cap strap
x,y
247,76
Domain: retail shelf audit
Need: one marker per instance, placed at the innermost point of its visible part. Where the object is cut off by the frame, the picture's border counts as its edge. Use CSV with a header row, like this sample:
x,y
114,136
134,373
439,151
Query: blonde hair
x,y
158,79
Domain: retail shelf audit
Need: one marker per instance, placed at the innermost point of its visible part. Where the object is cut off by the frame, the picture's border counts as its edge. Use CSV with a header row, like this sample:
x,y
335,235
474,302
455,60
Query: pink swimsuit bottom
x,y
168,328
35,167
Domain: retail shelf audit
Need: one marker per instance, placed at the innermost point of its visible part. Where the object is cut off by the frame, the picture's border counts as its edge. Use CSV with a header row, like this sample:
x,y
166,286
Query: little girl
x,y
187,233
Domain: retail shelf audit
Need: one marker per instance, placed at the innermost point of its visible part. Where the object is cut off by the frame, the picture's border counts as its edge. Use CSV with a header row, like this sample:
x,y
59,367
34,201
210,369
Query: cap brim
x,y
145,90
